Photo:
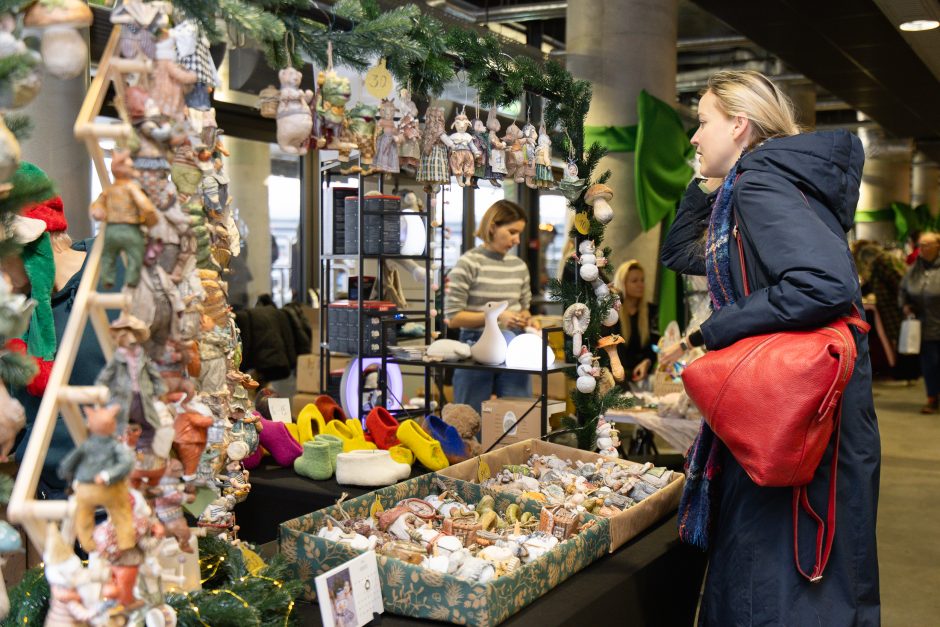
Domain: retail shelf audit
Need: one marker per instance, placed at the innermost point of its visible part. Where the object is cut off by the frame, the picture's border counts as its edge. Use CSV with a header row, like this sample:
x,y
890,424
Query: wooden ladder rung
x,y
131,66
101,131
109,300
84,395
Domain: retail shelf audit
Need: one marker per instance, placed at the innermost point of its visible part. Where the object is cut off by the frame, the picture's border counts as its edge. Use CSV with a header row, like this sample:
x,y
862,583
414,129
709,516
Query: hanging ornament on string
x,y
294,120
571,186
333,92
63,48
544,179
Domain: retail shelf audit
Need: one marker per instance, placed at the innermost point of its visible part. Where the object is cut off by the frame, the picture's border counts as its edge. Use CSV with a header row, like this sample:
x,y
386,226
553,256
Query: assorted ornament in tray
x,y
445,534
603,488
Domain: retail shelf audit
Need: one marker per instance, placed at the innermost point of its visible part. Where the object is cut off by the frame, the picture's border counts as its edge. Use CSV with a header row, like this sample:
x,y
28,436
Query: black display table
x,y
652,581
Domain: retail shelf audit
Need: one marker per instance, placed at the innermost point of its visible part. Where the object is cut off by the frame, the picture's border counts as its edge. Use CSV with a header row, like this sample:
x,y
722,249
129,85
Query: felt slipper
x,y
426,449
329,409
335,443
402,454
254,460
352,439
369,468
454,446
314,463
382,425
278,441
310,423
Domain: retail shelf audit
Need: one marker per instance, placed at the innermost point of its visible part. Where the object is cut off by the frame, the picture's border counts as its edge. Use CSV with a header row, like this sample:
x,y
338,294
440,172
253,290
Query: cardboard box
x,y
411,590
308,373
623,527
498,416
299,401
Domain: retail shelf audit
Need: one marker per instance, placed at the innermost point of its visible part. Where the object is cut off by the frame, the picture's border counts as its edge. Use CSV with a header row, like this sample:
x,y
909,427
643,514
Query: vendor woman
x,y
489,273
638,322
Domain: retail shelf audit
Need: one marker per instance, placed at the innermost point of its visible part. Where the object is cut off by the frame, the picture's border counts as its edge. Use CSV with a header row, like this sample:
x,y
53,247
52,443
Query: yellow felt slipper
x,y
426,449
293,431
402,454
310,423
352,441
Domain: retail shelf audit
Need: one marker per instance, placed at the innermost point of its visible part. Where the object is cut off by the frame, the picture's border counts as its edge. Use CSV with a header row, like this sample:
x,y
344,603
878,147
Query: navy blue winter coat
x,y
794,201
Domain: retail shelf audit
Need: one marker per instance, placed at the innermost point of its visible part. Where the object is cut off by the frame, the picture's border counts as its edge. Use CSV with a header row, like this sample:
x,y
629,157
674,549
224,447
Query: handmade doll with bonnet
x,y
387,140
433,169
543,161
463,151
515,157
409,150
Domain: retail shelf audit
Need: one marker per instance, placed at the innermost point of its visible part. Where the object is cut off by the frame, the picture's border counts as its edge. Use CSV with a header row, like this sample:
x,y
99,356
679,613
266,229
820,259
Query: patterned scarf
x,y
700,496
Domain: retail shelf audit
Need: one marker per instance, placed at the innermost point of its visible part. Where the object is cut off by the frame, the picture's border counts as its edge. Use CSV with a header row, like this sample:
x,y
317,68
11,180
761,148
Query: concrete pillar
x,y
622,47
248,169
53,147
925,183
886,178
803,96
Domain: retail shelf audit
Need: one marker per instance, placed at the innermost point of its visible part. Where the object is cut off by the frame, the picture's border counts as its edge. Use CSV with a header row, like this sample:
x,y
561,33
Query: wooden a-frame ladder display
x,y
89,304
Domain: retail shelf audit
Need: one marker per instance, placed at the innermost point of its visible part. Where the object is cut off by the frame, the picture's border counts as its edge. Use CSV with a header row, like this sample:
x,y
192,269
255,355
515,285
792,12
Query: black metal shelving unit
x,y
328,169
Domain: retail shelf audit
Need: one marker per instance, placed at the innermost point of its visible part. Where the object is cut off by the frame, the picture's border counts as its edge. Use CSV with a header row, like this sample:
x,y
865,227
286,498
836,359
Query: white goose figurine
x,y
490,349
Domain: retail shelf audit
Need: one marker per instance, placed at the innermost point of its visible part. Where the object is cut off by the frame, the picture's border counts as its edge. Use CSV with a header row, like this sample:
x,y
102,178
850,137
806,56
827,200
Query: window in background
x,y
552,217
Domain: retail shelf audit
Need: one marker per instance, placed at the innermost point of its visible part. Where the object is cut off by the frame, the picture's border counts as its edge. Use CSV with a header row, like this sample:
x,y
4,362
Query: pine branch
x,y
19,124
17,370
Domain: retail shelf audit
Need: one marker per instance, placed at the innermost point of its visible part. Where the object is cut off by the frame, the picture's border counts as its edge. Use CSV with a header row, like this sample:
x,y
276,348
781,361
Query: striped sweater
x,y
482,275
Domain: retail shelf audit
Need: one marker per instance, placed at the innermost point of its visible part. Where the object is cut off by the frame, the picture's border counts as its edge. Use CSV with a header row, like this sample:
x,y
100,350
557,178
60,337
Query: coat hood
x,y
825,165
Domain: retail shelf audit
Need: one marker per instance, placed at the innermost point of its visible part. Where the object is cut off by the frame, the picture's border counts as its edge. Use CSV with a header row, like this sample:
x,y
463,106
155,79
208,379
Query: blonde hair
x,y
756,97
642,309
500,212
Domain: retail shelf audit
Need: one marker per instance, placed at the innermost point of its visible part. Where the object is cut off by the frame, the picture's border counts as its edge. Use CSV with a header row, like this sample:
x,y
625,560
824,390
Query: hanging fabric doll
x,y
543,160
170,81
433,168
496,159
362,134
387,140
141,21
481,141
409,149
333,93
515,166
529,142
463,151
192,47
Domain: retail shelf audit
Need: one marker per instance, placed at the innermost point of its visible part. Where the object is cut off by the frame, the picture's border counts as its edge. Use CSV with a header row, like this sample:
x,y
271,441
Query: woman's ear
x,y
741,129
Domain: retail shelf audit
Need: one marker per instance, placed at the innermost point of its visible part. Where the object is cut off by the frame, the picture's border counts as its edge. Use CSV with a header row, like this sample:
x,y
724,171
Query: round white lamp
x,y
413,235
525,351
349,385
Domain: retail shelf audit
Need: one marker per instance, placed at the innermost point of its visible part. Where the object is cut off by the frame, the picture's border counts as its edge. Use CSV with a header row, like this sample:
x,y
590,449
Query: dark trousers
x,y
930,365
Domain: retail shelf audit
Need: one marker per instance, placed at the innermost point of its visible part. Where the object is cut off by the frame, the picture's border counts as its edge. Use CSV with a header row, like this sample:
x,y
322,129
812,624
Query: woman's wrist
x,y
693,340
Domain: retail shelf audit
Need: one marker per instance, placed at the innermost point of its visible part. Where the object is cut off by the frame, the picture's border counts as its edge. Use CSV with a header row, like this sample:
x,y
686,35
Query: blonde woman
x,y
483,274
637,321
791,197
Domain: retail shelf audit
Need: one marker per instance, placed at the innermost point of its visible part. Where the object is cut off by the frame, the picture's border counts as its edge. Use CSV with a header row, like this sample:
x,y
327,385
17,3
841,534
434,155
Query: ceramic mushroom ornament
x,y
598,196
609,344
575,322
63,49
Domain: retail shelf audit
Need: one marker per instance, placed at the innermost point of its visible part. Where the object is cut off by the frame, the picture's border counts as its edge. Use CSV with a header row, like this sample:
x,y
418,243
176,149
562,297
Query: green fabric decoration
x,y
40,268
613,138
30,185
662,162
874,215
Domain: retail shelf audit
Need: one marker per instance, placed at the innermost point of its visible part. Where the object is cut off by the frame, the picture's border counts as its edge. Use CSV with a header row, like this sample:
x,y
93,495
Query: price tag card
x,y
350,594
280,409
379,81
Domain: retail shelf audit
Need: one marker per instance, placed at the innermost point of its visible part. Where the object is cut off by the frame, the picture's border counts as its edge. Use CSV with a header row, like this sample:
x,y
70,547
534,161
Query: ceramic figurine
x,y
124,207
463,151
155,301
294,120
332,95
388,139
515,157
141,21
212,346
218,518
192,47
409,151
156,138
98,469
63,48
589,262
490,349
575,322
169,498
12,421
529,143
362,133
234,481
496,159
185,170
130,375
608,439
543,161
598,196
192,425
170,81
587,372
64,572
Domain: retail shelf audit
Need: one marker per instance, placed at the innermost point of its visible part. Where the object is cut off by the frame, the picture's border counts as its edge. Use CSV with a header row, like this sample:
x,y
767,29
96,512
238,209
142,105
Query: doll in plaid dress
x,y
433,168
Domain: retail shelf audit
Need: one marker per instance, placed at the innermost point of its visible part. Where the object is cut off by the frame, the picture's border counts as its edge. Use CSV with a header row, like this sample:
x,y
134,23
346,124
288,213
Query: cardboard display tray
x,y
415,591
623,526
